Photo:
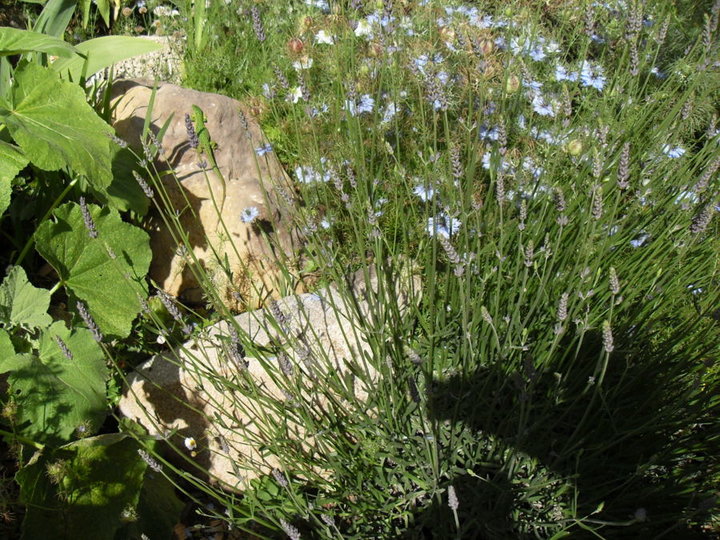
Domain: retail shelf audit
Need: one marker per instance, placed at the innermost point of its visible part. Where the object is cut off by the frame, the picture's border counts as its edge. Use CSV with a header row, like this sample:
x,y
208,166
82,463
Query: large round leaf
x,y
107,272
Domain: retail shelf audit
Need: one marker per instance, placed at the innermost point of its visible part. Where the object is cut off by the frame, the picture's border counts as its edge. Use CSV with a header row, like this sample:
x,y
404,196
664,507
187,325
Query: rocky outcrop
x,y
315,357
238,223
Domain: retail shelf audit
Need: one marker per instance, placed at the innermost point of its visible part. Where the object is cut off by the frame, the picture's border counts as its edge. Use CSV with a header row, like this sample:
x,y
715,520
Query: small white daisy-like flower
x,y
190,443
323,37
249,214
363,28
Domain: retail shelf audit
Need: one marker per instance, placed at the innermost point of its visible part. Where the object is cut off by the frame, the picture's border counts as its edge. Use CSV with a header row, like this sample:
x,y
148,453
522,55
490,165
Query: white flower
x,y
363,28
190,443
295,95
323,37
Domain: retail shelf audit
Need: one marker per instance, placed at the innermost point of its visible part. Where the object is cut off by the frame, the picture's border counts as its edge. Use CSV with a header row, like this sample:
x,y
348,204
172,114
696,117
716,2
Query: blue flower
x,y
366,104
673,152
264,149
443,225
541,107
425,193
640,240
307,174
249,214
592,76
562,74
389,113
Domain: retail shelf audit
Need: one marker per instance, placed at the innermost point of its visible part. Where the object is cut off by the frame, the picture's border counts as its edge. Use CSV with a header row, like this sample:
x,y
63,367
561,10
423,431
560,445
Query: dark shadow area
x,y
626,443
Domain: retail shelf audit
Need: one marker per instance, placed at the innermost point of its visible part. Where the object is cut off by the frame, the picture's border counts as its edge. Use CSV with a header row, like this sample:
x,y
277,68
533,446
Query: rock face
x,y
240,258
317,359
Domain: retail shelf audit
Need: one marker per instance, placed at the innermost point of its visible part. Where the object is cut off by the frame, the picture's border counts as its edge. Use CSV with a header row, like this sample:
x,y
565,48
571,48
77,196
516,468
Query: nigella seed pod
x,y
295,45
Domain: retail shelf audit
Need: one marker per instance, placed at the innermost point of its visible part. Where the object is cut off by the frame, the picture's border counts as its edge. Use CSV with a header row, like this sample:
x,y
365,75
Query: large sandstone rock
x,y
238,257
226,401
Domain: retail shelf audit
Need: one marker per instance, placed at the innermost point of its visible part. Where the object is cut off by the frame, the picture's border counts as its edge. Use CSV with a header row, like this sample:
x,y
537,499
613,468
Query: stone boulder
x,y
317,357
240,258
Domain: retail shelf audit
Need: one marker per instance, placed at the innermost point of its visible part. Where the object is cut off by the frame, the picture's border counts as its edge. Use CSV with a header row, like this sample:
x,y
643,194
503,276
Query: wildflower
x,y
295,45
192,135
249,214
173,310
623,168
562,312
453,502
541,107
592,76
443,225
562,74
190,443
389,113
424,193
323,37
614,282
295,95
673,152
87,218
264,149
363,28
366,104
89,322
307,175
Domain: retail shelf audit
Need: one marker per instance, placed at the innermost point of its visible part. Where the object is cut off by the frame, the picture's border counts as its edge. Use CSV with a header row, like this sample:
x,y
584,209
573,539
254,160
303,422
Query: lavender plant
x,y
553,181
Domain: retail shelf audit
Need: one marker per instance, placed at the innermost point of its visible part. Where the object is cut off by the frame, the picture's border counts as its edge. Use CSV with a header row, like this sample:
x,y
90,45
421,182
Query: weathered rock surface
x,y
236,255
209,392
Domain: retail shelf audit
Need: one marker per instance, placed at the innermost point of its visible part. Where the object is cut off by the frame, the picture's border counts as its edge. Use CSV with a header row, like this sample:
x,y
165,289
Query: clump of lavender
x,y
87,218
597,203
560,206
614,281
452,255
279,477
453,501
624,167
704,180
257,24
89,322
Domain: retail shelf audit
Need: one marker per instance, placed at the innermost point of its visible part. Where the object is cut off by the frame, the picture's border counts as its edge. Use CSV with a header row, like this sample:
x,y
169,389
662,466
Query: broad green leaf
x,y
124,193
106,272
16,41
103,52
22,304
6,347
55,17
85,489
55,127
12,161
55,395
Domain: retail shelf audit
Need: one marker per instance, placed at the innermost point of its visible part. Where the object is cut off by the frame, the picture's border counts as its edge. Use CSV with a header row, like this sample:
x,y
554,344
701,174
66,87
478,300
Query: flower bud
x,y
512,84
574,147
295,45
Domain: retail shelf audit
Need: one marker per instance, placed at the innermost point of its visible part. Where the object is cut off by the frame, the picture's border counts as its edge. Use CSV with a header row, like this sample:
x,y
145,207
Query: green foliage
x,y
57,396
107,272
102,52
89,488
16,41
54,126
21,304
